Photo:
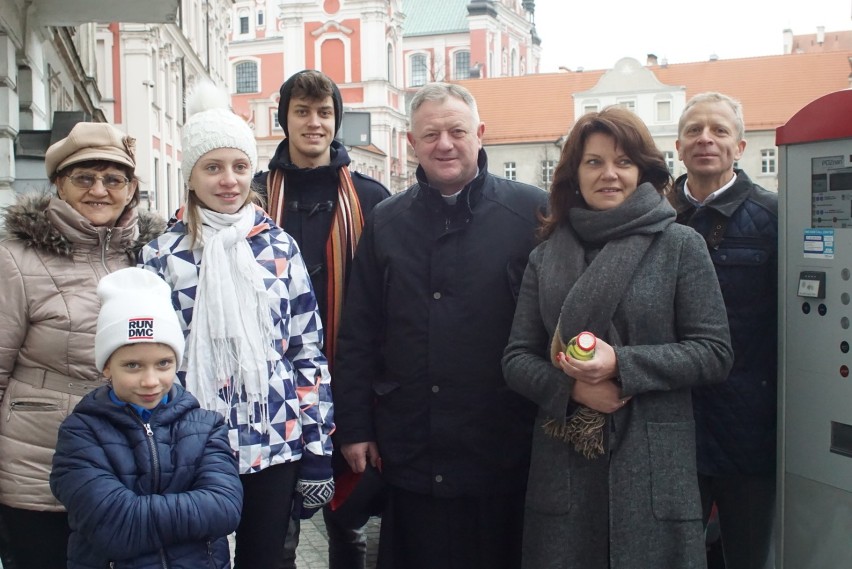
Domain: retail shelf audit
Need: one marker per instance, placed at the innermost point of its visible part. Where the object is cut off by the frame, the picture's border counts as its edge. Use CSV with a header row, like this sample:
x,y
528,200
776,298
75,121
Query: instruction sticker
x,y
819,243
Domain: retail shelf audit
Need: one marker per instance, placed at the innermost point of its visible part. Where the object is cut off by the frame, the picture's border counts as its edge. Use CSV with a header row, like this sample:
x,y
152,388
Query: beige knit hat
x,y
90,141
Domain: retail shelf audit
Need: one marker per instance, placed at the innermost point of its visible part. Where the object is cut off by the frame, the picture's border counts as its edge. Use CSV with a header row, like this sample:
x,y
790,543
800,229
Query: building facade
x,y
523,140
378,52
126,62
358,43
157,65
465,39
62,61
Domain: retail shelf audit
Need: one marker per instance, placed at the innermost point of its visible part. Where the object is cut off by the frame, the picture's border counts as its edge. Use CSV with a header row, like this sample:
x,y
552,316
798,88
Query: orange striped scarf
x,y
346,225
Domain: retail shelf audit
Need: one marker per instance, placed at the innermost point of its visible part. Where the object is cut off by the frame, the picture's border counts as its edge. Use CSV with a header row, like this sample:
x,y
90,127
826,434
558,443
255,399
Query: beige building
x,y
523,139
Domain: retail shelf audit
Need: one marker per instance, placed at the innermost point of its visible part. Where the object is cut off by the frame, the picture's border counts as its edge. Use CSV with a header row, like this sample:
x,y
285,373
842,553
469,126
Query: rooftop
x,y
431,17
772,89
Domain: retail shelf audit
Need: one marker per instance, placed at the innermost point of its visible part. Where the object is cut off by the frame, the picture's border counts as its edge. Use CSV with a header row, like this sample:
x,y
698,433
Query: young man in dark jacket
x,y
736,419
420,388
312,194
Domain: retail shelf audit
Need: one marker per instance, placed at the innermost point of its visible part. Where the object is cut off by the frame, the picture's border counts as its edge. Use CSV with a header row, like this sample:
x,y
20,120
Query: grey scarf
x,y
594,258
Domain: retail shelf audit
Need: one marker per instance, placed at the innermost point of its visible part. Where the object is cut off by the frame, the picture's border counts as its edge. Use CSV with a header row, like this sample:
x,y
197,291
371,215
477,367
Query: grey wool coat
x,y
637,506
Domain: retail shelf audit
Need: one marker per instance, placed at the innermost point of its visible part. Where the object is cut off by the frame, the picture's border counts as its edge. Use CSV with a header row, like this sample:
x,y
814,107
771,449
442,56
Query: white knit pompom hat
x,y
210,125
136,307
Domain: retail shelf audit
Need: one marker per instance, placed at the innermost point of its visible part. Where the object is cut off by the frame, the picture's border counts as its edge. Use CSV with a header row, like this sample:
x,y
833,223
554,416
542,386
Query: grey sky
x,y
595,34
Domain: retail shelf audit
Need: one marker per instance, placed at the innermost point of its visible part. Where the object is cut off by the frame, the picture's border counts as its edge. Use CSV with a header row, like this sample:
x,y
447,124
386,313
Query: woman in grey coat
x,y
612,481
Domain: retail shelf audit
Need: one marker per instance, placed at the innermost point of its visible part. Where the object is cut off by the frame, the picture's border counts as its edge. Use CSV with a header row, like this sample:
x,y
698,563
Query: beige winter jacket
x,y
51,259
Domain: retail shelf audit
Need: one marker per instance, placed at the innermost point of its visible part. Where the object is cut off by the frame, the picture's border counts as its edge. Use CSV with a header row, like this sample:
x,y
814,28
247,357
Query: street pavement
x,y
312,552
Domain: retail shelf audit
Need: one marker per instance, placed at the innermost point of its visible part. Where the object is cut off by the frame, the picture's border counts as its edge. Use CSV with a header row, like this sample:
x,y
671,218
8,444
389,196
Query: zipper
x,y
105,248
152,447
155,459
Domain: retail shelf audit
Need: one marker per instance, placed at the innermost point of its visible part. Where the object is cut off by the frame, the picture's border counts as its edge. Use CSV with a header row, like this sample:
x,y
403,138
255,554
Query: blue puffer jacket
x,y
167,498
736,419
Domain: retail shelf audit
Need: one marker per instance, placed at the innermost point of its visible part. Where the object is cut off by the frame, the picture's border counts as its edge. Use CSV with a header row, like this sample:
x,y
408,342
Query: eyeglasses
x,y
110,181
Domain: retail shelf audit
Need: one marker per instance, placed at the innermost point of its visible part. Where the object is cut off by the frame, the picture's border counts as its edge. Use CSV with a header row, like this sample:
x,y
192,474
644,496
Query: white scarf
x,y
230,339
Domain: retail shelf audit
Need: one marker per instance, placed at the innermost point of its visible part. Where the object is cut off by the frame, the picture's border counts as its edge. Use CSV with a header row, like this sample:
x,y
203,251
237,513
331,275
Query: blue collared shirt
x,y
143,413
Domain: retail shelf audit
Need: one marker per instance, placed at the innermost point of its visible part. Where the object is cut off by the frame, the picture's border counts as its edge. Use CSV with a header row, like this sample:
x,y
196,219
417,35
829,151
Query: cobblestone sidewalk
x,y
312,552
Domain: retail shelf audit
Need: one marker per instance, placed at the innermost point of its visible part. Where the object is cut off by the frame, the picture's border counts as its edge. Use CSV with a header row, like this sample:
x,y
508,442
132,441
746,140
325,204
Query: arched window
x,y
461,65
245,77
419,71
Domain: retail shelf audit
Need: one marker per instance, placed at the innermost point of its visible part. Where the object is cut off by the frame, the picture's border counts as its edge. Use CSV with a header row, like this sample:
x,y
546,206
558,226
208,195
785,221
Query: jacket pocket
x,y
549,482
742,252
401,420
674,476
746,271
24,406
32,416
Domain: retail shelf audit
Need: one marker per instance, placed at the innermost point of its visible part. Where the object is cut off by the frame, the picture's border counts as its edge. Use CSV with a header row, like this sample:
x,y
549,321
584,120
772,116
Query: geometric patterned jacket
x,y
300,409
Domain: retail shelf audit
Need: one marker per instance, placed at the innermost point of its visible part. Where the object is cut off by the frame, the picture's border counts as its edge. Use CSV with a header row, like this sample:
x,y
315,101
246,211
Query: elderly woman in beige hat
x,y
55,249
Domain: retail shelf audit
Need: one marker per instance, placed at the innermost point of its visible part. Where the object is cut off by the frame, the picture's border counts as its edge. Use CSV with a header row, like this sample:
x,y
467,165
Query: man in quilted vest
x,y
736,419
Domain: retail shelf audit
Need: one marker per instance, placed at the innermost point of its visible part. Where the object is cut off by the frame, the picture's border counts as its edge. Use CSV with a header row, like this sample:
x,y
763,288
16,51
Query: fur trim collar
x,y
27,220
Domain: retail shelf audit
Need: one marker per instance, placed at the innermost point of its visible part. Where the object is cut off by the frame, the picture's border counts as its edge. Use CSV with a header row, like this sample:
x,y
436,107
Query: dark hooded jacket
x,y
155,494
310,195
736,419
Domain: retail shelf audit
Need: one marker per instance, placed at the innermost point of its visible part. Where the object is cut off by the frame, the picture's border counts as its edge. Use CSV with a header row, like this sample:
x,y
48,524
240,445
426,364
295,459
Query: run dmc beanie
x,y
136,307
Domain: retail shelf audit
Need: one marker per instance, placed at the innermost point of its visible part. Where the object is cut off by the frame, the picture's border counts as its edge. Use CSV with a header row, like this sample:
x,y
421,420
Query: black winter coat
x,y
310,196
736,419
427,317
167,498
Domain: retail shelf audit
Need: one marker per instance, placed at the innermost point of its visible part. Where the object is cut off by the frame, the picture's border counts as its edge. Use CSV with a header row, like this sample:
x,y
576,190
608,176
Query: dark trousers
x,y
347,548
267,500
746,506
424,532
33,540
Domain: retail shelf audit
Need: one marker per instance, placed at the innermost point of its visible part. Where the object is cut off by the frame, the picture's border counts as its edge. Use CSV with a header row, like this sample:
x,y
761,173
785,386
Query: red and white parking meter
x,y
815,336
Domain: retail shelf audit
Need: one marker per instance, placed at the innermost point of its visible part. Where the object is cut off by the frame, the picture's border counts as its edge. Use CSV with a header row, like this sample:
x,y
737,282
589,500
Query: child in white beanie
x,y
244,298
148,478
